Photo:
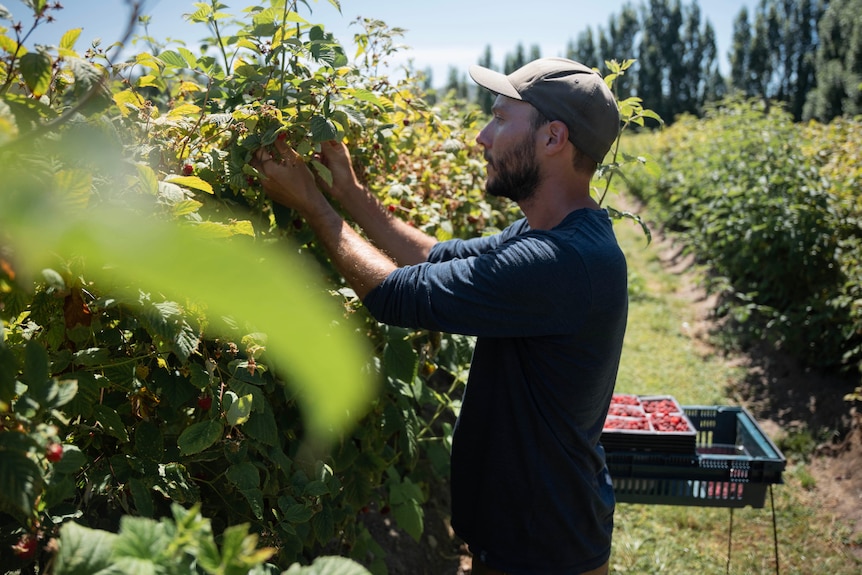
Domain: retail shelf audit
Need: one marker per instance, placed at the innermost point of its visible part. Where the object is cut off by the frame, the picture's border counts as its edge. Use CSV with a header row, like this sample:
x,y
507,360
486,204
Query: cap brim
x,y
494,81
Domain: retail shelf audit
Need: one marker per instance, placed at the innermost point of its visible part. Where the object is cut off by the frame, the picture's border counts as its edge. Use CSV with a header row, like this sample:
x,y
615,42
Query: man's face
x,y
510,150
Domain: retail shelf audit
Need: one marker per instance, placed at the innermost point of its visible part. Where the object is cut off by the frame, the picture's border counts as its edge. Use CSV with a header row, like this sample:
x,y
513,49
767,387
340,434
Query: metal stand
x,y
774,534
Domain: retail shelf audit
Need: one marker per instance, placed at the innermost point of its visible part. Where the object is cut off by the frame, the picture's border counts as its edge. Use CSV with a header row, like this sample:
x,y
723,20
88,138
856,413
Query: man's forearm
x,y
361,263
401,241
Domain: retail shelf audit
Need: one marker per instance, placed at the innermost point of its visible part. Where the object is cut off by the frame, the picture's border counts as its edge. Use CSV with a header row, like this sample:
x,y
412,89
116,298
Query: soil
x,y
786,399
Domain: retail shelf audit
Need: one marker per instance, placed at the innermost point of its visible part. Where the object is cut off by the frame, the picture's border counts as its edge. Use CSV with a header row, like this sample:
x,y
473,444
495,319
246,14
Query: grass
x,y
660,357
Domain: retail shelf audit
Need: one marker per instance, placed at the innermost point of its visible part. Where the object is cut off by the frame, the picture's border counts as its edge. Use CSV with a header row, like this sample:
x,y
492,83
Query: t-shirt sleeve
x,y
513,289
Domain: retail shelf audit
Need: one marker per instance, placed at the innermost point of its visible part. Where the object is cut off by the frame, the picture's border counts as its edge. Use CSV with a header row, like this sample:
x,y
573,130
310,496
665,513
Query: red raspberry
x,y
25,549
188,169
205,402
54,453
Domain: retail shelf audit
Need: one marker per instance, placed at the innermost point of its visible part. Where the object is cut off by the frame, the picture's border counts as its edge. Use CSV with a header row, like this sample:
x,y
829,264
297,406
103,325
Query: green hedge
x,y
772,209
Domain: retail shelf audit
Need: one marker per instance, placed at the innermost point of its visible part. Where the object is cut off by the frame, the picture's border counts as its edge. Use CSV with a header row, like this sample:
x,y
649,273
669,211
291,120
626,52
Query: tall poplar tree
x,y
698,62
838,63
584,49
515,60
485,98
622,44
773,57
660,56
801,38
740,52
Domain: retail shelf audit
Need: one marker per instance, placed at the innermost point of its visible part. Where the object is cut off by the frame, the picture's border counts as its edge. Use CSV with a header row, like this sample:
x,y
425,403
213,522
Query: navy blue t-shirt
x,y
530,490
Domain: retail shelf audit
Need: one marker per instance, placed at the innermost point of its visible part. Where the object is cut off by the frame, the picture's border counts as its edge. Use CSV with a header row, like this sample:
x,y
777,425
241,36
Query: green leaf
x,y
8,374
400,360
322,129
36,371
255,501
262,427
15,441
199,436
83,551
244,475
198,376
61,488
322,171
177,484
73,460
188,56
142,497
280,459
208,553
20,484
69,38
141,538
165,320
147,179
149,441
404,492
173,59
365,95
75,186
238,550
111,422
323,525
239,411
315,489
36,70
331,565
410,516
192,182
92,356
61,392
89,83
298,513
186,207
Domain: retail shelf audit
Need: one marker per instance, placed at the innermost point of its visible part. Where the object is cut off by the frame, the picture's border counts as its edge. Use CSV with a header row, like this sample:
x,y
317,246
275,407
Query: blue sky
x,y
439,33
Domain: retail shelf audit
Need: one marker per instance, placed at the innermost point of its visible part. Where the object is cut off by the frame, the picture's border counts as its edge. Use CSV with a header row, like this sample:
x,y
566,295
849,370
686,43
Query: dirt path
x,y
794,405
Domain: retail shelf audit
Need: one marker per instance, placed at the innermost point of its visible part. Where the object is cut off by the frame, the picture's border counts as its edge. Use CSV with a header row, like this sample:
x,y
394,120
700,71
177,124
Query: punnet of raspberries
x,y
652,413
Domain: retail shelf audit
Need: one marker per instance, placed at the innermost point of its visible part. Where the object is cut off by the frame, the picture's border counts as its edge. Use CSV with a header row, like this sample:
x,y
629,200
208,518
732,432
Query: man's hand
x,y
336,157
288,181
286,178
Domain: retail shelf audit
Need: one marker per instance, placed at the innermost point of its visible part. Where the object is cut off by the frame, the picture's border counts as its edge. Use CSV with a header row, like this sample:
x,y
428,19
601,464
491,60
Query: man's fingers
x,y
286,152
260,157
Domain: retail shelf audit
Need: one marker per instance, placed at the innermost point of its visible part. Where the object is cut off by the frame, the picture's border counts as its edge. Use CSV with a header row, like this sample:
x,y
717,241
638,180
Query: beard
x,y
516,173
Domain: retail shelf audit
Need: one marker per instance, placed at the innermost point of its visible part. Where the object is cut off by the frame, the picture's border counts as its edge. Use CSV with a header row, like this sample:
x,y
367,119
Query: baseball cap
x,y
563,90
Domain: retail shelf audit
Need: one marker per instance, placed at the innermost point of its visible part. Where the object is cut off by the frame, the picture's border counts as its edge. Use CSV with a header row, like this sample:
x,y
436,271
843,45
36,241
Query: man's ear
x,y
556,136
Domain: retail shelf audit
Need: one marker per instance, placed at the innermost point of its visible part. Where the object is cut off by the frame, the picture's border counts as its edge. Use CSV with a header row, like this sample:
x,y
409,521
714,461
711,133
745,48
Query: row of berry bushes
x,y
186,385
773,210
164,374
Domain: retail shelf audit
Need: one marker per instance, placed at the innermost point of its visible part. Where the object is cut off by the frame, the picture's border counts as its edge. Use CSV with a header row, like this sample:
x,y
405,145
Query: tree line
x,y
805,55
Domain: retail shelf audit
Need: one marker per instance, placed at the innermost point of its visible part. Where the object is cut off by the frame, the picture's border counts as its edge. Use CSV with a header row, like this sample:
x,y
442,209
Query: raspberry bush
x,y
178,365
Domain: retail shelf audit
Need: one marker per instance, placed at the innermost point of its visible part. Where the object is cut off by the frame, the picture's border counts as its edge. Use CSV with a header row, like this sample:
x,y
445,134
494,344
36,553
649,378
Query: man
x,y
546,298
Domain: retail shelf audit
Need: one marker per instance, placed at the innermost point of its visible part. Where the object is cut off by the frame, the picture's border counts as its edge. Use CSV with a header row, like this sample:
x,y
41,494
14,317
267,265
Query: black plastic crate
x,y
733,465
